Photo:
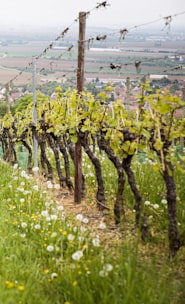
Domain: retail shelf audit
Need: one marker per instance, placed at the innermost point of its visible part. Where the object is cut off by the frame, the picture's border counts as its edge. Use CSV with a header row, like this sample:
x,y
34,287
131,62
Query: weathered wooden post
x,y
80,88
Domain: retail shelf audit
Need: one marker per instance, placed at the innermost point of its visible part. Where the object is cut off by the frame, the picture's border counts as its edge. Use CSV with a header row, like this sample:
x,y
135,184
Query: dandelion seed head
x,y
77,255
35,187
70,237
85,220
53,217
57,186
50,248
96,242
108,267
54,275
37,226
102,226
103,273
79,217
44,213
156,206
35,169
24,224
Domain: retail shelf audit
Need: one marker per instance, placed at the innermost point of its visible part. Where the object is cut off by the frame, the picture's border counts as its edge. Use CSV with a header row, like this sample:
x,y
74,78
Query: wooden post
x,y
35,142
183,98
7,98
127,93
80,88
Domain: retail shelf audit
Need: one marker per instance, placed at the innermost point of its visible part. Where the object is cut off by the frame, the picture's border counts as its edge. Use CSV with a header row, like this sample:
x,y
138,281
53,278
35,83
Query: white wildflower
x,y
57,248
60,208
15,166
164,201
57,186
53,217
102,225
20,189
50,248
54,234
44,213
23,235
47,204
70,237
155,206
35,187
108,267
82,229
54,275
147,203
37,226
96,242
81,238
79,217
77,255
75,229
103,273
23,174
26,192
24,224
85,220
50,186
35,169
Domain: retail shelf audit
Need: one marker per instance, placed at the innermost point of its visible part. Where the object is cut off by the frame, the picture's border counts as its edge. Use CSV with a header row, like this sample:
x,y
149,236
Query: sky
x,y
122,13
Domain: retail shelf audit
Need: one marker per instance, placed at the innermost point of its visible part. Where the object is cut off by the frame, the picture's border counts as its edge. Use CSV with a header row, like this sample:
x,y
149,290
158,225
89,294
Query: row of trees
x,y
118,132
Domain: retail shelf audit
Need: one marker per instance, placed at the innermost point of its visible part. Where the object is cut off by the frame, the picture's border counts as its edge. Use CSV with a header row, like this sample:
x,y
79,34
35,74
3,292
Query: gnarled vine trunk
x,y
47,169
71,149
173,233
63,150
54,147
100,195
9,153
119,213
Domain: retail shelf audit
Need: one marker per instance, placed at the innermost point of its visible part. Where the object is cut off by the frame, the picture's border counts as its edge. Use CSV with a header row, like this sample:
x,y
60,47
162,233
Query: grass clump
x,y
47,258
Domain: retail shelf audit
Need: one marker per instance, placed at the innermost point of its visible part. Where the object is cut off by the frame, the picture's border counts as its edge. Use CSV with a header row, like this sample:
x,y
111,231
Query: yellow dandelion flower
x,y
75,283
20,287
10,284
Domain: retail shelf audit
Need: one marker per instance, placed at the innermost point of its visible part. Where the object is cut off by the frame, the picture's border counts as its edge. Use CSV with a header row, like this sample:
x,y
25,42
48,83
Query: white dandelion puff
x,y
50,248
77,255
79,217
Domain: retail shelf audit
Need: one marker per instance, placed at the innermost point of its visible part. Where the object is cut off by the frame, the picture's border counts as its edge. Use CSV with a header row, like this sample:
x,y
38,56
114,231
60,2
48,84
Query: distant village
x,y
126,90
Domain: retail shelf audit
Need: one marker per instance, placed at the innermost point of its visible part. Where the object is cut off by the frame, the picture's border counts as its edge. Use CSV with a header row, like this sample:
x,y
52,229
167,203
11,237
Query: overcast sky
x,y
120,13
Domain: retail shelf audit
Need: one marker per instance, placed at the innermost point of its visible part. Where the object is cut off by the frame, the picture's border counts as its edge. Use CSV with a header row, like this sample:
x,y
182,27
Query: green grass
x,y
37,243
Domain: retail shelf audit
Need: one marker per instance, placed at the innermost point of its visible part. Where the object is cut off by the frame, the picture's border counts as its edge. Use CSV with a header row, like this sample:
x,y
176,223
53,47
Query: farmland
x,y
155,52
